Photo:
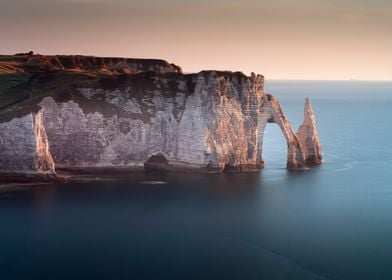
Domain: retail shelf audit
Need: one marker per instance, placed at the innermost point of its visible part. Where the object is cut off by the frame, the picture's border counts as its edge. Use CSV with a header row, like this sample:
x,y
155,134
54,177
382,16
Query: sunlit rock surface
x,y
308,137
24,148
274,113
150,116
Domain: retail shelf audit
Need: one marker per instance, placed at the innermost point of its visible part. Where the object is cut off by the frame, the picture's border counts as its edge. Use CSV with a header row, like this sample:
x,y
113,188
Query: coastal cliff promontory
x,y
89,113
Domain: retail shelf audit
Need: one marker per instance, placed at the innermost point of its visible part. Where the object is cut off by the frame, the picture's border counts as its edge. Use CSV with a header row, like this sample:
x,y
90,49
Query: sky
x,y
281,39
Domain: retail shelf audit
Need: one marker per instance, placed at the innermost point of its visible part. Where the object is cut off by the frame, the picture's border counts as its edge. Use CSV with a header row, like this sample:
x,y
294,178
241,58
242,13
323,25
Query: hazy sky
x,y
282,39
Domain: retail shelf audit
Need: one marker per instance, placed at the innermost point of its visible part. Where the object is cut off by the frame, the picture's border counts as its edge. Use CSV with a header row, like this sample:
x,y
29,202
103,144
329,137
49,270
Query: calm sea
x,y
330,222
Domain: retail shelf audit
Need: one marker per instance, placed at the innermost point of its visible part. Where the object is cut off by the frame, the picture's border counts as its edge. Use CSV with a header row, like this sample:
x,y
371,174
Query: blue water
x,y
330,222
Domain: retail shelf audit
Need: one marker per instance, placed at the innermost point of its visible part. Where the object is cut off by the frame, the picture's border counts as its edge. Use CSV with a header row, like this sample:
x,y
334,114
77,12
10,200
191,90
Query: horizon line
x,y
323,80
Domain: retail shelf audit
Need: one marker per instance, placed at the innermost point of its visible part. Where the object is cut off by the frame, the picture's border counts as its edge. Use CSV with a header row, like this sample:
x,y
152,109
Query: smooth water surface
x,y
330,222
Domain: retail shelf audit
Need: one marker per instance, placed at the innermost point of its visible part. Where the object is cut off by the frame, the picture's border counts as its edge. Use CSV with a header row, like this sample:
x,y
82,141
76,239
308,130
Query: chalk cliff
x,y
148,115
24,148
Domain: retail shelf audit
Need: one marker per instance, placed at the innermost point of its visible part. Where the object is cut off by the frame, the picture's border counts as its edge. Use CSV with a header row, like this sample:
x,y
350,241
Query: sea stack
x,y
308,137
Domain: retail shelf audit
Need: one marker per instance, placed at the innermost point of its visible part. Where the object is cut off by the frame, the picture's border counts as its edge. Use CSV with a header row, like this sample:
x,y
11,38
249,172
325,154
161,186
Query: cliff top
x,y
30,63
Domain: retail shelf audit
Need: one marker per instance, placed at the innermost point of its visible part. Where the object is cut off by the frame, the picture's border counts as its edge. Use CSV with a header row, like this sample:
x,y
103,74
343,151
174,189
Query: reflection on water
x,y
328,222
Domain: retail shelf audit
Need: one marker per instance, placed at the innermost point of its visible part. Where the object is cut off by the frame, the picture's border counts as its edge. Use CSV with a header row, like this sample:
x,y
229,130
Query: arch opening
x,y
274,150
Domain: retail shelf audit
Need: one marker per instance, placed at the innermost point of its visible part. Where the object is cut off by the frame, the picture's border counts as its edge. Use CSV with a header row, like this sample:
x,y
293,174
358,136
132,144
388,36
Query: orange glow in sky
x,y
281,39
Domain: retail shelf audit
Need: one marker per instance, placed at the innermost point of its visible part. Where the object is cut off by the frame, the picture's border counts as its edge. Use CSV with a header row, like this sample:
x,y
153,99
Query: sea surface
x,y
329,222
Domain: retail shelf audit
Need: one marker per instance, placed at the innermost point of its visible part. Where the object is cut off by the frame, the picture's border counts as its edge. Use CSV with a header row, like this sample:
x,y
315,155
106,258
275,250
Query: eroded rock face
x,y
308,137
17,145
212,121
24,147
43,161
208,120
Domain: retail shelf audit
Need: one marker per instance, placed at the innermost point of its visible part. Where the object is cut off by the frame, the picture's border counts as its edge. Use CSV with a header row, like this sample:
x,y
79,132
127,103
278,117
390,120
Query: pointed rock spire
x,y
308,137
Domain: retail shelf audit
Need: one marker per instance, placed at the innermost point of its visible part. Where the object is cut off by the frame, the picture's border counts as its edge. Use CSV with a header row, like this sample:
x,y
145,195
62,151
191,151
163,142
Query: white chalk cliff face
x,y
212,121
24,146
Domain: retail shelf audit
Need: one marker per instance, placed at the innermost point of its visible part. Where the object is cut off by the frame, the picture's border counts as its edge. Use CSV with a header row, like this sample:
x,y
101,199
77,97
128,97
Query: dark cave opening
x,y
156,162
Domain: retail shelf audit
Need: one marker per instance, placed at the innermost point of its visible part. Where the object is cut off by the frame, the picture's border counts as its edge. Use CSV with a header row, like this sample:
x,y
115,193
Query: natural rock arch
x,y
303,147
272,113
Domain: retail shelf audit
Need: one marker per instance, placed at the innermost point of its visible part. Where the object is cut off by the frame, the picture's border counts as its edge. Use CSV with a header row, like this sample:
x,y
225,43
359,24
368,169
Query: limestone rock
x,y
24,148
43,161
274,113
308,137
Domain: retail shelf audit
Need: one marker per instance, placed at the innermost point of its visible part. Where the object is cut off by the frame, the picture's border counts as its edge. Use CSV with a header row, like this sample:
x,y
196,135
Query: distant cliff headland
x,y
98,114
